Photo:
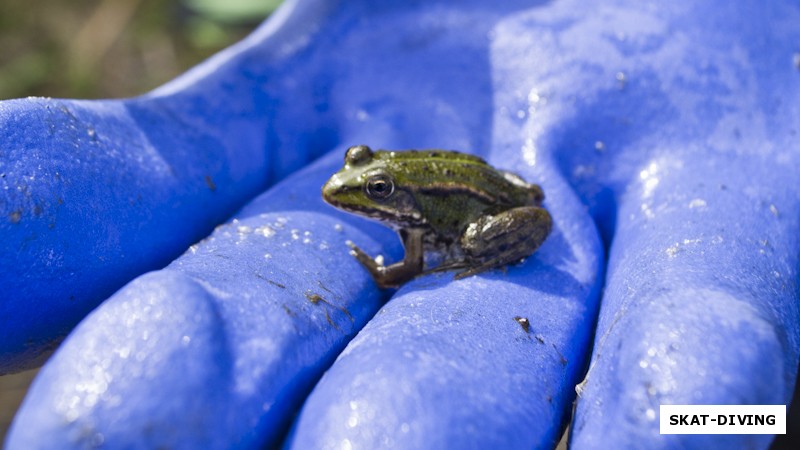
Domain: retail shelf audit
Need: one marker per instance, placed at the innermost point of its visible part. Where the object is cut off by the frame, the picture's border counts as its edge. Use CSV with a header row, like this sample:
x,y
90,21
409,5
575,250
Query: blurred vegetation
x,y
113,48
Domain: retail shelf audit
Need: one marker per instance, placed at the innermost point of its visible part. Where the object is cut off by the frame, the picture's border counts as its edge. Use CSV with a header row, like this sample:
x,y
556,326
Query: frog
x,y
441,202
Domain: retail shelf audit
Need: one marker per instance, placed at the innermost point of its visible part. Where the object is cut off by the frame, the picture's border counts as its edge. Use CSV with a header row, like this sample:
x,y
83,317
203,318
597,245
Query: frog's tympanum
x,y
452,204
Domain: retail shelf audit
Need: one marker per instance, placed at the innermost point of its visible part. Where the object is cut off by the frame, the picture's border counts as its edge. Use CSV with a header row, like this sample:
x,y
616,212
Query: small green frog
x,y
448,203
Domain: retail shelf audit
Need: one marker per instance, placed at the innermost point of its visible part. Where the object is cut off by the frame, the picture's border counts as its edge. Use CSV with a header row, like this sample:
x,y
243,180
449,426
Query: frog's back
x,y
411,156
448,173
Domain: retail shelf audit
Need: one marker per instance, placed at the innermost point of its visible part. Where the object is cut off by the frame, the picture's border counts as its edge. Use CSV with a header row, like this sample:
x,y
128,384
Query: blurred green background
x,y
113,48
108,49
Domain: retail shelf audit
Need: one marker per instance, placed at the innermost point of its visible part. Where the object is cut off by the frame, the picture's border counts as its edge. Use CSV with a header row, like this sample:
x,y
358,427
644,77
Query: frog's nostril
x,y
331,189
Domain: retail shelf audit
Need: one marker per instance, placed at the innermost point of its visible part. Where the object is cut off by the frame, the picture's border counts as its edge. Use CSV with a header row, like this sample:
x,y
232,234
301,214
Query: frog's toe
x,y
363,257
475,270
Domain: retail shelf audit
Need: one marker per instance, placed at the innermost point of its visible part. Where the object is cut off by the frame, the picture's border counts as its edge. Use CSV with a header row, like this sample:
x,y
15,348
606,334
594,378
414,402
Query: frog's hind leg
x,y
446,266
488,265
504,238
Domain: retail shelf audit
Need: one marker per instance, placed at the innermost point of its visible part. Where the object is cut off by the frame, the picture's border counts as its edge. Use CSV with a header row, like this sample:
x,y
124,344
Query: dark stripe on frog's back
x,y
455,173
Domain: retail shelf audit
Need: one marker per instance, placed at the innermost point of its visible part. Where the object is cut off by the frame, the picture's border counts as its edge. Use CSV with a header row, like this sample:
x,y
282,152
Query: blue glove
x,y
664,133
95,193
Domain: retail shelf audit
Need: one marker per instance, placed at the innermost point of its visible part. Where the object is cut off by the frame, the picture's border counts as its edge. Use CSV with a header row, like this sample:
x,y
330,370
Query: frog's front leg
x,y
496,240
399,272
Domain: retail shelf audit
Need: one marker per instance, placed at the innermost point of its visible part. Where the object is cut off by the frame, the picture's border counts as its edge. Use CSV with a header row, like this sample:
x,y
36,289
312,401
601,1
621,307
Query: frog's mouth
x,y
334,190
351,198
374,211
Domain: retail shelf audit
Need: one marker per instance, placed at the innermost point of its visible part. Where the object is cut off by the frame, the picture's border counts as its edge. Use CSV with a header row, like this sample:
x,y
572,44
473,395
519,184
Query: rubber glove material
x,y
220,347
674,124
94,193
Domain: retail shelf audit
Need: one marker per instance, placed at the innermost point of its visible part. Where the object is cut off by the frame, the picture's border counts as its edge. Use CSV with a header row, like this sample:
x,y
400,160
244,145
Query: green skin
x,y
475,216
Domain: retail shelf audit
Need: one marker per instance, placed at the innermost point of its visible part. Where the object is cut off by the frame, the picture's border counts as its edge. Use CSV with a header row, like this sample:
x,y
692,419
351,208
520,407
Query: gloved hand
x,y
664,134
95,193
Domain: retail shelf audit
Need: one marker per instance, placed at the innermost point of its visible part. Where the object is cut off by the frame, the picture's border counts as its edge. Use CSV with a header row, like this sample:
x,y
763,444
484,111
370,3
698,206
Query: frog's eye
x,y
380,187
357,155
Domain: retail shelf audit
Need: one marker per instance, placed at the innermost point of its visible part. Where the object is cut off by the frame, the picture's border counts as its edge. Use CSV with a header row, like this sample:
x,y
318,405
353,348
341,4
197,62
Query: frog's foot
x,y
397,273
367,261
452,265
488,265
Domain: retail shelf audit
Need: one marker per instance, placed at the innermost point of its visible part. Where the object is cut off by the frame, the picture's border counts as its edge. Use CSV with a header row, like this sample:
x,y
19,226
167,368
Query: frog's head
x,y
366,186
